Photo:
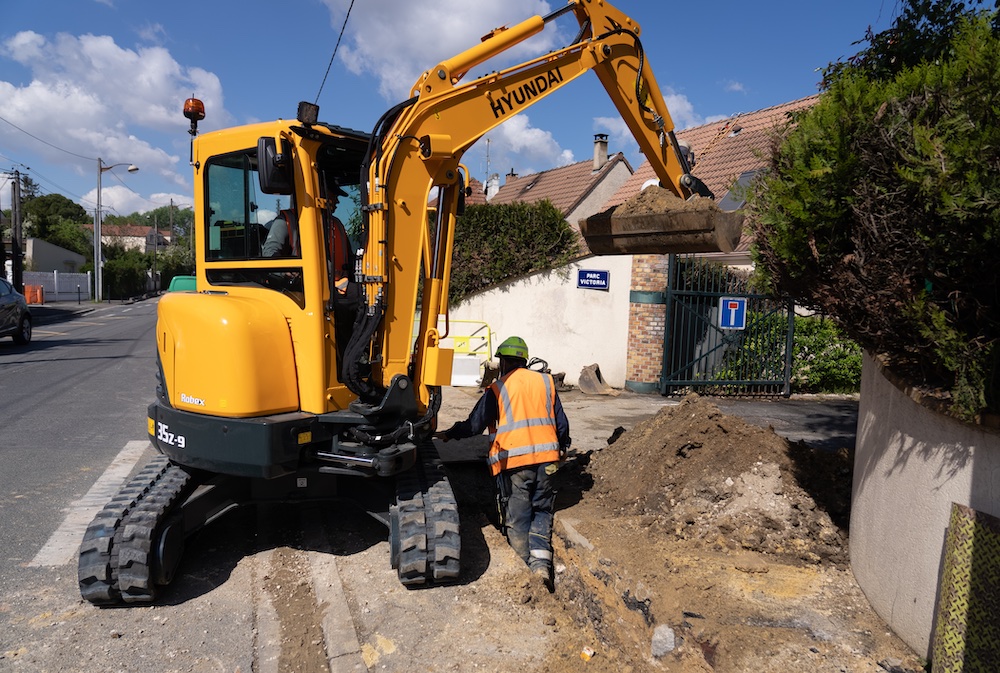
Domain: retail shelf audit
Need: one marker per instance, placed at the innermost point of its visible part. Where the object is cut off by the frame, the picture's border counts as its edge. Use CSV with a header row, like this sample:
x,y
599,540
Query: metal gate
x,y
720,338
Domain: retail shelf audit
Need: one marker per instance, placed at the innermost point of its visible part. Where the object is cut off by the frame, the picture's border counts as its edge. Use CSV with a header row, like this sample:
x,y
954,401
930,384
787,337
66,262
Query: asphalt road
x,y
71,400
73,428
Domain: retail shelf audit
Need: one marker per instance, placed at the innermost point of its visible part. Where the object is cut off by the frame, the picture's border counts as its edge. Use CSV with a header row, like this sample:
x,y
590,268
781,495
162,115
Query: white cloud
x,y
396,41
517,145
90,97
152,33
620,138
117,200
734,86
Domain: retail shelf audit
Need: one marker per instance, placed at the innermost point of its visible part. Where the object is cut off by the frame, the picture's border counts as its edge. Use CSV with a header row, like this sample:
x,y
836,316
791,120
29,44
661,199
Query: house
x,y
572,324
41,255
577,190
133,236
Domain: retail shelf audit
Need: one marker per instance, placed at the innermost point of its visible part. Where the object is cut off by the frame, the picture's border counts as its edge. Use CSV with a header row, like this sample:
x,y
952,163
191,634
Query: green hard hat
x,y
513,347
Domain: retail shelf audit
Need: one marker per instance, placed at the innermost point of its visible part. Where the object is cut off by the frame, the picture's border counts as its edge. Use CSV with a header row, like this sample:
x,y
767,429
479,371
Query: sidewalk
x,y
58,311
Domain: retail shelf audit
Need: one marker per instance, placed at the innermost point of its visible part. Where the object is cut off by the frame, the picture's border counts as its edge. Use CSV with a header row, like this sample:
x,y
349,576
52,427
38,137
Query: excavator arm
x,y
415,155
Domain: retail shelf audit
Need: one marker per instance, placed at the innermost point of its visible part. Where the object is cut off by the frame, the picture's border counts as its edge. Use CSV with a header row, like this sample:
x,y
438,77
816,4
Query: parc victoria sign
x,y
593,280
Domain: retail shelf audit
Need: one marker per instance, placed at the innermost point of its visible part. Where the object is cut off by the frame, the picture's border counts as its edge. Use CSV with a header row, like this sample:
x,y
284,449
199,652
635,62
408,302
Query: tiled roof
x,y
126,230
565,186
478,195
721,152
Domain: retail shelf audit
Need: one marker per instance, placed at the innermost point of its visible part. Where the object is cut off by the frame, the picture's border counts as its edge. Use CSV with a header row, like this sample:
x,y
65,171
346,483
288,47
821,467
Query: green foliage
x,y
124,272
174,260
923,32
881,209
44,213
71,236
495,243
824,360
756,353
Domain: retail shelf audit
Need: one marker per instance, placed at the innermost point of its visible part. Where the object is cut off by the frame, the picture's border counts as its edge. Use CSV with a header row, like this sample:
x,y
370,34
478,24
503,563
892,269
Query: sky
x,y
88,79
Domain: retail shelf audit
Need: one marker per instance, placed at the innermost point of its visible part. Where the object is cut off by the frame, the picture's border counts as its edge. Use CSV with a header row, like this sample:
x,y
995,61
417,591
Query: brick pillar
x,y
646,322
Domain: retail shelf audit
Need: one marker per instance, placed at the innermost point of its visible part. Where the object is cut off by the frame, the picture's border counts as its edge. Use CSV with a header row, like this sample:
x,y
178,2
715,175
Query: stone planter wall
x,y
911,464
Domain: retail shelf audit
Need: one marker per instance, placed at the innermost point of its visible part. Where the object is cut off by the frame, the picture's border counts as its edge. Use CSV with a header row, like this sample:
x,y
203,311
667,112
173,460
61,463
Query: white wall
x,y
910,465
568,327
45,256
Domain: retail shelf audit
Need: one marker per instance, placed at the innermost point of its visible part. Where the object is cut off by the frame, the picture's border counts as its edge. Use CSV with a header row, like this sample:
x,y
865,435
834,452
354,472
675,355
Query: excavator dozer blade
x,y
655,221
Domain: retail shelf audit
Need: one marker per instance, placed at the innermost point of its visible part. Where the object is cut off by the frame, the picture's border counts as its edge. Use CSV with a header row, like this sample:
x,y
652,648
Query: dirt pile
x,y
694,473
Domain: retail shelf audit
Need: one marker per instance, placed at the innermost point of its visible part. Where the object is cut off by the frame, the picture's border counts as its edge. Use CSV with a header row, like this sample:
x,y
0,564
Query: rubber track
x,y
135,553
430,543
98,564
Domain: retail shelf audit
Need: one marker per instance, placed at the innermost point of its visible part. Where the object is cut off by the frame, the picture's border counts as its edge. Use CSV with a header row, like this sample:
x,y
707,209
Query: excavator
x,y
293,373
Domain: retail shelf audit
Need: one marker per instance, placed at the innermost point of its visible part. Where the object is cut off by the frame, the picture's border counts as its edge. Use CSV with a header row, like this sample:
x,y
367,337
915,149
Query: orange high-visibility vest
x,y
292,227
340,249
526,424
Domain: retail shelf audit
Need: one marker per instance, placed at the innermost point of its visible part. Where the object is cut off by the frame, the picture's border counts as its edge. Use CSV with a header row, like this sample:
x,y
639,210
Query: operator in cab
x,y
531,430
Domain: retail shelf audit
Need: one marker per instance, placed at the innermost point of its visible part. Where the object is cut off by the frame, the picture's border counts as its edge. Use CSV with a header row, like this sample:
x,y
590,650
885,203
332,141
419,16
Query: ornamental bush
x,y
496,243
881,209
823,359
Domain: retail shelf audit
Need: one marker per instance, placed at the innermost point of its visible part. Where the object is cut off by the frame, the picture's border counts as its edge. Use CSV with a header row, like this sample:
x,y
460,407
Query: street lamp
x,y
132,168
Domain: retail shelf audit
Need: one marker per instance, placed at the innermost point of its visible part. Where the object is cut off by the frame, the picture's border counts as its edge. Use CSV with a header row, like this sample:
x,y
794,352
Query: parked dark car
x,y
15,317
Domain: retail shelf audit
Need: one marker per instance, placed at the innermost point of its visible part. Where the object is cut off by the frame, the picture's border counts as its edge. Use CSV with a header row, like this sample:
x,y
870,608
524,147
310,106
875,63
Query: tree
x,y
29,189
72,236
45,212
881,208
124,271
174,260
922,32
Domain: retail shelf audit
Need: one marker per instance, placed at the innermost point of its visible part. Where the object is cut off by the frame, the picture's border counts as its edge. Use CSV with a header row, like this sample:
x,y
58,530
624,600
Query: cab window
x,y
239,219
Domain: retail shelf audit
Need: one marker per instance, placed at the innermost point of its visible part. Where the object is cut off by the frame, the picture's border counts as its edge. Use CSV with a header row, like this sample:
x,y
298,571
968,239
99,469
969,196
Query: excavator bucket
x,y
655,221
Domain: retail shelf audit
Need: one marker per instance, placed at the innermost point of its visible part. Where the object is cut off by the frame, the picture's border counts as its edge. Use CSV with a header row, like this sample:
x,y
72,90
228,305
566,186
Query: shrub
x,y
881,209
495,243
823,359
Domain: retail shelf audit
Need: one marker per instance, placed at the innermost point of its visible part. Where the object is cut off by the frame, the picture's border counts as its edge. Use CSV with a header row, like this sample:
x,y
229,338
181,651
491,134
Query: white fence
x,y
61,286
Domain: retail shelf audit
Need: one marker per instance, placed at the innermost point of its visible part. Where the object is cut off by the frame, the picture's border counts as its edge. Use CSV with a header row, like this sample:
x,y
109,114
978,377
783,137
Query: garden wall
x,y
911,464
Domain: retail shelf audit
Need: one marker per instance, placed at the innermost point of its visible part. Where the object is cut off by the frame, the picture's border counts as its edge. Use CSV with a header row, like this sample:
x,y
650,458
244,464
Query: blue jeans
x,y
529,514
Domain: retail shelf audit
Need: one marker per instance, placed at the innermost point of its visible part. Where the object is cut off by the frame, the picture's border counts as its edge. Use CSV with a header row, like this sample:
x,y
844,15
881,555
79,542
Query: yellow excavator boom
x,y
420,144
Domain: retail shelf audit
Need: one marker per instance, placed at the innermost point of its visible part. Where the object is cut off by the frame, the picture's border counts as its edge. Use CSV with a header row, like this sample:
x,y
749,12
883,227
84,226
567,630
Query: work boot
x,y
544,571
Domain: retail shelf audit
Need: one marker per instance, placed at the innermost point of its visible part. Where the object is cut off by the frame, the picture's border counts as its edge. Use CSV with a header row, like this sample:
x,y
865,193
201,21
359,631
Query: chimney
x,y
492,186
510,177
600,150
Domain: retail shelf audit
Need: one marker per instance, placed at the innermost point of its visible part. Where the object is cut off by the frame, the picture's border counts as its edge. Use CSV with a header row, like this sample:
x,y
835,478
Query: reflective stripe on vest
x,y
526,426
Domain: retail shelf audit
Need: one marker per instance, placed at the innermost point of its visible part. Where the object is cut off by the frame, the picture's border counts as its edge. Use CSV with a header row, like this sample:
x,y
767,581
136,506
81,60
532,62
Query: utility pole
x,y
156,244
16,241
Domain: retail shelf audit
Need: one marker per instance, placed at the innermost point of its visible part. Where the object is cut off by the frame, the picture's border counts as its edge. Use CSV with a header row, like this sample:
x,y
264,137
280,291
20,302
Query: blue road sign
x,y
593,280
733,312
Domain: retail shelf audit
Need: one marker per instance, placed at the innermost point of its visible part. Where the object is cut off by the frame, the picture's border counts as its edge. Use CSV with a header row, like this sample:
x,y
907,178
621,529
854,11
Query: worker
x,y
282,232
531,430
277,243
345,295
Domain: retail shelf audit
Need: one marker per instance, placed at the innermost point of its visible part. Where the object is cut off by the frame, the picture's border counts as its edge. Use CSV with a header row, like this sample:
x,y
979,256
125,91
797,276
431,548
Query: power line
x,y
45,142
337,46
